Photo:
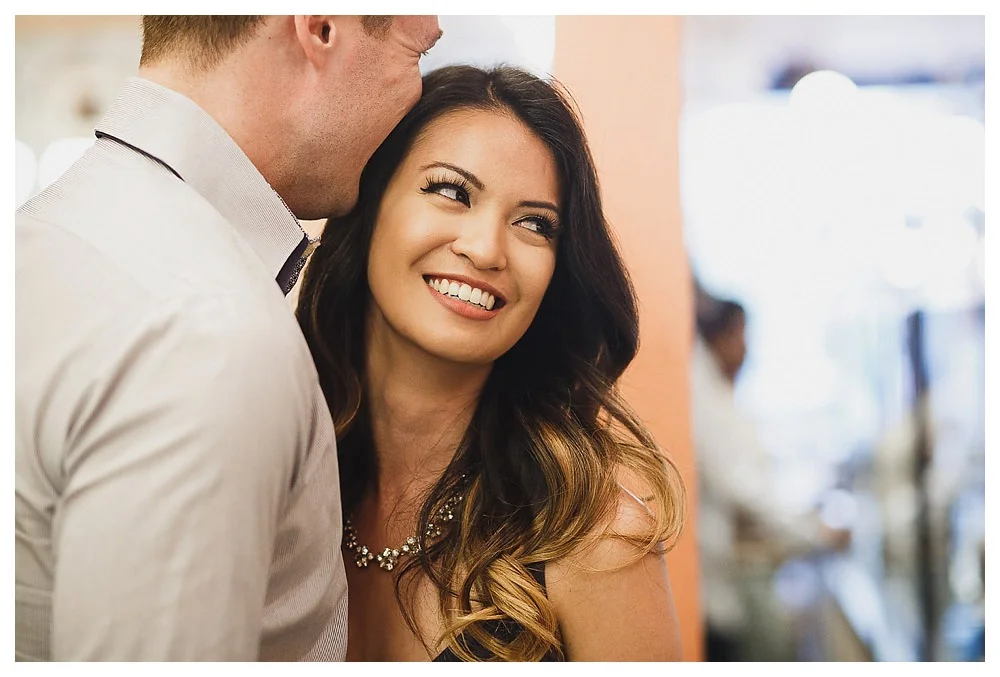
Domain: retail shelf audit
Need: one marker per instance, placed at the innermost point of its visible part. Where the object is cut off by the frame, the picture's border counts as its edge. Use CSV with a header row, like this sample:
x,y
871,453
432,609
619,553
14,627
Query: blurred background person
x,y
738,516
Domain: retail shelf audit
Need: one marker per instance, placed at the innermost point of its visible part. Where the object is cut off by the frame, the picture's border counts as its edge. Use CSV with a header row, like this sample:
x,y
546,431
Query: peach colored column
x,y
623,73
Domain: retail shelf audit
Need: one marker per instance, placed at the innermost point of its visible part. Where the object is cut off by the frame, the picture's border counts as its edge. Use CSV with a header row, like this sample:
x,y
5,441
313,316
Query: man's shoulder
x,y
119,214
104,300
243,322
113,181
120,255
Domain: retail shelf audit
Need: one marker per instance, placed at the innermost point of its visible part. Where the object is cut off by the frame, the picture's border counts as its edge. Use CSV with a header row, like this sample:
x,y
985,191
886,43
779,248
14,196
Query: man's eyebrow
x,y
433,41
469,176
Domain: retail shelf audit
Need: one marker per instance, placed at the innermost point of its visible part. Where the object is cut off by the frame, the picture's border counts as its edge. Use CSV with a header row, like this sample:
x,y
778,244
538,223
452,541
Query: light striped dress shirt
x,y
176,490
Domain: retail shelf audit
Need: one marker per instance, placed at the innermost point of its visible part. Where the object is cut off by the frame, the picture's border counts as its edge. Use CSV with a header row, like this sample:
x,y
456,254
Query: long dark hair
x,y
550,433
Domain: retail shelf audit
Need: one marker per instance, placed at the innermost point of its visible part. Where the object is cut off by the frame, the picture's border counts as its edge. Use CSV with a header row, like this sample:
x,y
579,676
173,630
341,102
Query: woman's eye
x,y
450,191
537,225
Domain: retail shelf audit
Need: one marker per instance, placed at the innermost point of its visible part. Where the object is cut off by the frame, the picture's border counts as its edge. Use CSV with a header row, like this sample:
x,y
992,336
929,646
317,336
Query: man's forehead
x,y
424,28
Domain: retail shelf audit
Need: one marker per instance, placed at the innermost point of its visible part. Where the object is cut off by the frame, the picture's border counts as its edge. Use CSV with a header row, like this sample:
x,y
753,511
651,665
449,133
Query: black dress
x,y
503,630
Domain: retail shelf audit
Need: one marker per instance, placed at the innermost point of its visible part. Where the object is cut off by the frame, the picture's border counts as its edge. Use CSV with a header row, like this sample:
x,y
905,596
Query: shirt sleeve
x,y
180,458
732,463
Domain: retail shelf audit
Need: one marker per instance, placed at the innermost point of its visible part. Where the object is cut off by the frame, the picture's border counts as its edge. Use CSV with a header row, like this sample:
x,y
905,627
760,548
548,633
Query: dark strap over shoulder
x,y
537,570
505,630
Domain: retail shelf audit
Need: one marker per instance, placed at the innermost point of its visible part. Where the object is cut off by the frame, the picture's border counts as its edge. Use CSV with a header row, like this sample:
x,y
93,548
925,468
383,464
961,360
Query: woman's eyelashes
x,y
459,190
452,189
542,225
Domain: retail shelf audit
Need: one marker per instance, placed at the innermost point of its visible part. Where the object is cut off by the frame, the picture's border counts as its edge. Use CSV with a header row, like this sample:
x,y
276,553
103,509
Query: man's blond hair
x,y
204,39
207,39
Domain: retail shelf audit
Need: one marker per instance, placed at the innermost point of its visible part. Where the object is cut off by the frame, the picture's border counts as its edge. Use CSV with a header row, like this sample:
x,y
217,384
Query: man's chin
x,y
345,204
343,210
331,210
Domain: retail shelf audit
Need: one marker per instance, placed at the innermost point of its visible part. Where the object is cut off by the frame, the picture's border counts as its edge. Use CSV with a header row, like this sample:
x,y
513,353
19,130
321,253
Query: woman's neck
x,y
420,407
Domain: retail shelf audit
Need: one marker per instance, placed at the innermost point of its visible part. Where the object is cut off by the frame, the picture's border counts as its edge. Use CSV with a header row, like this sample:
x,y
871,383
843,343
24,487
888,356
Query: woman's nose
x,y
482,241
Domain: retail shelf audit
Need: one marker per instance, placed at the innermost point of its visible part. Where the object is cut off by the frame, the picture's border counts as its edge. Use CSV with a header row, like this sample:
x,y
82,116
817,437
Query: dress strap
x,y
537,570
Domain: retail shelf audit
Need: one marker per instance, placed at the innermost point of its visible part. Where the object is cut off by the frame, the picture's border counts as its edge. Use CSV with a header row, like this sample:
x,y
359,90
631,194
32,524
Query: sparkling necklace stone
x,y
389,557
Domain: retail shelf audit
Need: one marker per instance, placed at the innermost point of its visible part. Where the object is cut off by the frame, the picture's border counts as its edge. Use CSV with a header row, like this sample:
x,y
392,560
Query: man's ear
x,y
316,35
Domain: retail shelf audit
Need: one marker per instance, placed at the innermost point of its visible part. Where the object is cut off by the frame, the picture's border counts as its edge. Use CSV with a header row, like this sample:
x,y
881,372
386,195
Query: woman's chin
x,y
465,357
463,352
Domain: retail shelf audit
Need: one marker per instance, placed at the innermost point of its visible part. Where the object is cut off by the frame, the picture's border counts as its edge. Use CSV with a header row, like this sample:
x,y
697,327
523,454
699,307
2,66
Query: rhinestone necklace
x,y
388,558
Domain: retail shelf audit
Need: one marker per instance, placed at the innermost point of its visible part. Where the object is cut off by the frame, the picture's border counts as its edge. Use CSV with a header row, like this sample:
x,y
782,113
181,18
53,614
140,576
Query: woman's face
x,y
464,244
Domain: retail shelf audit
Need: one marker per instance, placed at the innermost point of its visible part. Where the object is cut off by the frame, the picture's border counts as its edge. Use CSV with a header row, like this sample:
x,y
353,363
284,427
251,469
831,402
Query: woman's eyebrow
x,y
469,176
474,180
539,205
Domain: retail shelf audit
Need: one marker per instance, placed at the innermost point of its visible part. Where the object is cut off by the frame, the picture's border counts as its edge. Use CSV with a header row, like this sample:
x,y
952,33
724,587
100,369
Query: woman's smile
x,y
469,298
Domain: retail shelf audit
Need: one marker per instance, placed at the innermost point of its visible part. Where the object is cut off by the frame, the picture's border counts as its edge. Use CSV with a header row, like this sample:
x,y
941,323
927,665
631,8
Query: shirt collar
x,y
175,131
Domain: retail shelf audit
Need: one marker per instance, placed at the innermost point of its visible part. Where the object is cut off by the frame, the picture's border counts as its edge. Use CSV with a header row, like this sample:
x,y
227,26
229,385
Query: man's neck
x,y
232,96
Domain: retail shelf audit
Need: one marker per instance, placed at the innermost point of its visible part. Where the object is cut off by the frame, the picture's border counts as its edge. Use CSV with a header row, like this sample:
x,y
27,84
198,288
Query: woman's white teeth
x,y
465,292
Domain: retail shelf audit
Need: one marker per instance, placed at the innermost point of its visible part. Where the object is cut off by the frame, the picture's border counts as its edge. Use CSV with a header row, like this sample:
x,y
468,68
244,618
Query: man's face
x,y
389,84
355,97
